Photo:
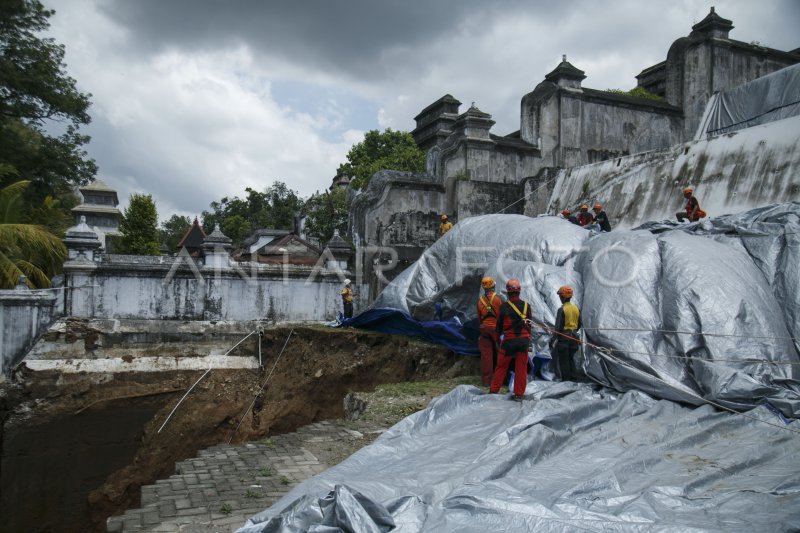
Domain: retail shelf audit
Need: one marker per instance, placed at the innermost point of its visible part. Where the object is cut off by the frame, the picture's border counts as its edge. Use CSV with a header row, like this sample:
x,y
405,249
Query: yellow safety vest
x,y
571,315
347,295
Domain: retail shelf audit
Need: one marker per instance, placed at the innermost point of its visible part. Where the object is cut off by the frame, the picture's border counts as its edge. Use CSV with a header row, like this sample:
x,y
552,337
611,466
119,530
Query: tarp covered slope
x,y
571,457
772,97
709,310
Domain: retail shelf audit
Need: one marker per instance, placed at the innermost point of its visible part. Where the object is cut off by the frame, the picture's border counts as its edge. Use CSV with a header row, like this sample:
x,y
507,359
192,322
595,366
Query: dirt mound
x,y
77,447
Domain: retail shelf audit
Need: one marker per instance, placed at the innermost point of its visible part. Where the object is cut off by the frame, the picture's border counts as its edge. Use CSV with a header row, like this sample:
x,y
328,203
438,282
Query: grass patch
x,y
426,388
226,509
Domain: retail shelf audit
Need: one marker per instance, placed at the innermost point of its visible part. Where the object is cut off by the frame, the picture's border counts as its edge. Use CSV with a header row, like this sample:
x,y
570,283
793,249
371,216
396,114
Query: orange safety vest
x,y
488,311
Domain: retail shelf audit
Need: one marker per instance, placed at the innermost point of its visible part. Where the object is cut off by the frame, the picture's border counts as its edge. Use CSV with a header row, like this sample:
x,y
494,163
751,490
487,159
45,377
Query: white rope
x,y
530,193
262,386
607,353
198,381
705,334
747,360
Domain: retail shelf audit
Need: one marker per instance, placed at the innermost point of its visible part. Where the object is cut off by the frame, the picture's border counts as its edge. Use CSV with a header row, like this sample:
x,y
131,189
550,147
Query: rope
x,y
711,359
262,386
183,398
126,397
198,381
696,333
530,193
607,353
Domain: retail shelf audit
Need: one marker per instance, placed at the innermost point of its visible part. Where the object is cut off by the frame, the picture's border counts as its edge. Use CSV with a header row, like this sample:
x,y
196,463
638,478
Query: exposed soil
x,y
77,447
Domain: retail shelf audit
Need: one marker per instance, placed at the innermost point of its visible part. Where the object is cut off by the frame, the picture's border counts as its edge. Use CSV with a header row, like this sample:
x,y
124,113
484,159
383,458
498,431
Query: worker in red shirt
x,y
691,211
514,323
488,340
584,217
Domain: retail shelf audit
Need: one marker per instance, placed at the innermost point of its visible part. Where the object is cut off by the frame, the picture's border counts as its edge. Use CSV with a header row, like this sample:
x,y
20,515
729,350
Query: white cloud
x,y
192,117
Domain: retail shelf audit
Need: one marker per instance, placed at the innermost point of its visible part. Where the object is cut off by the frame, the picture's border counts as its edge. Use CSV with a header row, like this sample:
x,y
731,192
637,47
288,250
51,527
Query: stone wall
x,y
579,126
699,67
24,315
146,288
391,222
730,173
482,197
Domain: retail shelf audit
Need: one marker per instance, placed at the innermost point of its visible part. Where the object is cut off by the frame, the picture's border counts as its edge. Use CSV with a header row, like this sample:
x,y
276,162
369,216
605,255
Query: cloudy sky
x,y
194,100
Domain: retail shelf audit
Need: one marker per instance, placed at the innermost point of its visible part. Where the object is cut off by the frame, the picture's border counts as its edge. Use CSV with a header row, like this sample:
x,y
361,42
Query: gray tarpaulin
x,y
772,97
679,314
709,310
571,457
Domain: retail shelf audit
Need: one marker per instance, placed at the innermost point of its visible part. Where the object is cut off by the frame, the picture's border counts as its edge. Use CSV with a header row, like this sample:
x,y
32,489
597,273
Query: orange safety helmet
x,y
565,291
584,207
565,212
688,190
444,217
513,285
597,207
487,283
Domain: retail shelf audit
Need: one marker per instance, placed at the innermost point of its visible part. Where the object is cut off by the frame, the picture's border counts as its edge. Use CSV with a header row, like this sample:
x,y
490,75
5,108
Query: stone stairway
x,y
217,491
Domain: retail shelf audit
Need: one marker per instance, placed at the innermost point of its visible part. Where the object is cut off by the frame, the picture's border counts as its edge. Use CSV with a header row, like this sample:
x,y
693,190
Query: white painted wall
x,y
117,290
24,315
731,173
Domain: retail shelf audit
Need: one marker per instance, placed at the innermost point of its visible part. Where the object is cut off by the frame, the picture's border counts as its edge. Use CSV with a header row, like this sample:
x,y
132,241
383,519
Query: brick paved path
x,y
217,491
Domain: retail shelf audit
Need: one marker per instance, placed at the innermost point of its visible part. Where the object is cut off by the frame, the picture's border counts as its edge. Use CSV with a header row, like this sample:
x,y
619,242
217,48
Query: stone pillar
x,y
216,249
338,253
82,245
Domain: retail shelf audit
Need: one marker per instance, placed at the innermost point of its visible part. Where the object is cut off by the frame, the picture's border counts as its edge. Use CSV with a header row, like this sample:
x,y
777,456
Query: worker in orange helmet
x,y
444,226
584,217
600,218
488,340
564,342
514,323
691,211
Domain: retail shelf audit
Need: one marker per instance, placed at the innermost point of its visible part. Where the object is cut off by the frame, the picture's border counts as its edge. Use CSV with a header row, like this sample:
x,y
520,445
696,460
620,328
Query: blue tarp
x,y
462,339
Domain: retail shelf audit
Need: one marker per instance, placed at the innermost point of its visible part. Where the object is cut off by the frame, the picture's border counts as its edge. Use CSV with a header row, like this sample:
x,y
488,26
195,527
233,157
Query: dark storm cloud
x,y
338,37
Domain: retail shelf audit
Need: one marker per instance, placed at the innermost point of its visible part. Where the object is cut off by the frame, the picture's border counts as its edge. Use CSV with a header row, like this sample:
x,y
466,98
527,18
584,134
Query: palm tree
x,y
25,249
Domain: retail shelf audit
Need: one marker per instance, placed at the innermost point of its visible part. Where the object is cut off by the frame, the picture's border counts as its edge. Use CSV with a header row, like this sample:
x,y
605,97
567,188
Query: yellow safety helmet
x,y
565,291
584,206
487,283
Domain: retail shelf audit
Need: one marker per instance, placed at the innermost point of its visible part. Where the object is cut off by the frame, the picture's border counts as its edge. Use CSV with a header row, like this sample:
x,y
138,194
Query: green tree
x,y
25,249
235,227
173,230
139,227
391,150
326,212
41,110
238,217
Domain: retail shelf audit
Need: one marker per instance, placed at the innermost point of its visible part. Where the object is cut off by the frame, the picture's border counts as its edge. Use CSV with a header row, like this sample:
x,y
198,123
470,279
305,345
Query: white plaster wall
x,y
23,316
730,173
227,296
